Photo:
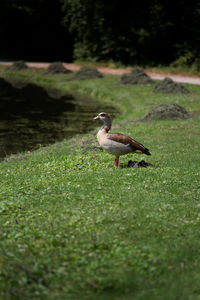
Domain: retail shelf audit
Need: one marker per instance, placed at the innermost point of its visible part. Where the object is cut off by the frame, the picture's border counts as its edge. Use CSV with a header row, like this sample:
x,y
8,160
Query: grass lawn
x,y
74,227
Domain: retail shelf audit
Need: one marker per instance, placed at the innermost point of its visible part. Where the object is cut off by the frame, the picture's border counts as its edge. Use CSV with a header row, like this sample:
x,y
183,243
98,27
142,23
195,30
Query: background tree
x,y
132,32
156,31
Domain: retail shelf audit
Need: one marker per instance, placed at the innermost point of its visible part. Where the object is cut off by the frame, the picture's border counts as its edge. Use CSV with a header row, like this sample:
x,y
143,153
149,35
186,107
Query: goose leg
x,y
116,162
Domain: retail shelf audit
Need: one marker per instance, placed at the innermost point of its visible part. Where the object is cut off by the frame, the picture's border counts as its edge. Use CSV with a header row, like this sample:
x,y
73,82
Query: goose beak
x,y
96,118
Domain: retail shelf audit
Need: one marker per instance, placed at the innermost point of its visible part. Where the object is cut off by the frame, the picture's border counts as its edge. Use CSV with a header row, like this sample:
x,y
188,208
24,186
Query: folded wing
x,y
127,140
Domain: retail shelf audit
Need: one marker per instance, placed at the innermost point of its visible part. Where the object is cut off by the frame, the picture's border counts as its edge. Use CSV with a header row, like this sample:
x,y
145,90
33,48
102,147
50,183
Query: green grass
x,y
73,227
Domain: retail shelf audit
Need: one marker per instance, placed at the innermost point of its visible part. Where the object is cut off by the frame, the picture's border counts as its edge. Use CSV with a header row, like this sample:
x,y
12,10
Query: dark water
x,y
31,116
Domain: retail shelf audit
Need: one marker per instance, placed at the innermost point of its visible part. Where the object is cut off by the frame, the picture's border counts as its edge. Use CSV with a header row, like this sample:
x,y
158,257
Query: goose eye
x,y
102,115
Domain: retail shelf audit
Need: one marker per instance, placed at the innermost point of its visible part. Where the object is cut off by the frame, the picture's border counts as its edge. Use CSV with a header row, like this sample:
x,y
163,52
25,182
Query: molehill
x,y
166,111
57,68
167,85
137,76
17,66
86,73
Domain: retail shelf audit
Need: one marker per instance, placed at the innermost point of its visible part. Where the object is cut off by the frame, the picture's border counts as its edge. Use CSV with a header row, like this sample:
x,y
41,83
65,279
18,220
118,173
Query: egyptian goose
x,y
116,143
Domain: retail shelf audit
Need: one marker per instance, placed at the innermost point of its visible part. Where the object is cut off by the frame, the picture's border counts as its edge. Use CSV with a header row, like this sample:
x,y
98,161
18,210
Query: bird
x,y
117,144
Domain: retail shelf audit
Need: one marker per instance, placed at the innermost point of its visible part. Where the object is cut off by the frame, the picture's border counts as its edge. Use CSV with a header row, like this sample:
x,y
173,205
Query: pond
x,y
31,116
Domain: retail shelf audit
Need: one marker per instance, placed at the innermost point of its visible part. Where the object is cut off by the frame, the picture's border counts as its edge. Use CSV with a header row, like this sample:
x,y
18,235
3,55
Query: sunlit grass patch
x,y
74,227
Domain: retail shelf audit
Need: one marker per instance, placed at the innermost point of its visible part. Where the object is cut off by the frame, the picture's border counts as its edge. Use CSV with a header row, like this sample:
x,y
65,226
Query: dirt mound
x,y
137,76
166,111
86,73
167,85
17,65
139,164
57,68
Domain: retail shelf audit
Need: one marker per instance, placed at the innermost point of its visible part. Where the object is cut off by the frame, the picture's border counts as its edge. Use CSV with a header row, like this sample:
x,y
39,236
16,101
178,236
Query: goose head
x,y
105,118
102,116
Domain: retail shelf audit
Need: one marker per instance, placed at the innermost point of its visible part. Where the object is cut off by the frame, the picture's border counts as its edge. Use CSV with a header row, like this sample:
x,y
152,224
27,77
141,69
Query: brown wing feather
x,y
124,139
127,140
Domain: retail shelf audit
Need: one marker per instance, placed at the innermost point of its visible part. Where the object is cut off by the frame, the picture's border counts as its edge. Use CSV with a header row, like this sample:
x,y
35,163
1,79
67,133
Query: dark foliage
x,y
136,32
32,30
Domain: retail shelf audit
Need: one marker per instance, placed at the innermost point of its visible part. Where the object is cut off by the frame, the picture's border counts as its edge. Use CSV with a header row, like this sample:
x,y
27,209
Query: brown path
x,y
113,71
